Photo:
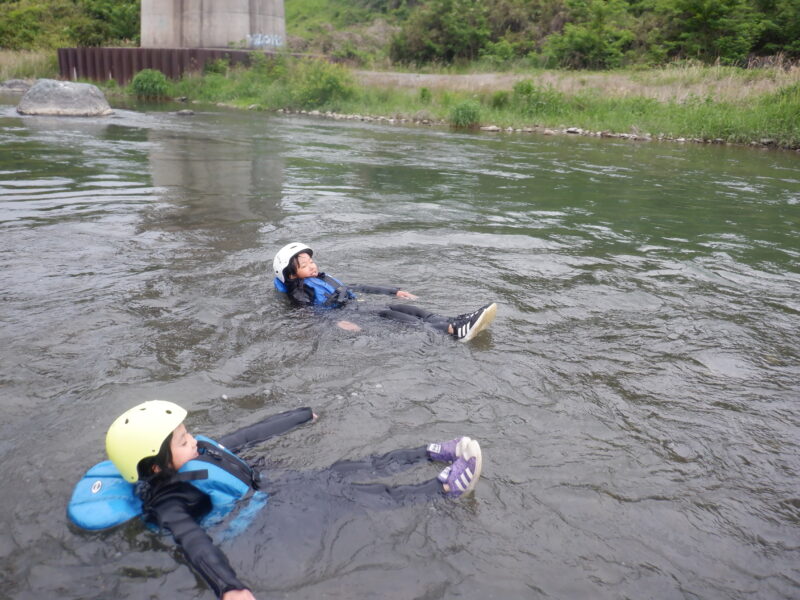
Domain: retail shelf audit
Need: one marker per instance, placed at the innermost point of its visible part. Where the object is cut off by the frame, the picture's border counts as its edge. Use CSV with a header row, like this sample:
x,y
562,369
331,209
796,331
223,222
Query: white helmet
x,y
285,256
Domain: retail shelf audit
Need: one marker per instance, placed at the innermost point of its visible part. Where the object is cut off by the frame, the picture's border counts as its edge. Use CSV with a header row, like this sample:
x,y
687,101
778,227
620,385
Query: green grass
x,y
309,17
309,85
772,116
28,64
768,111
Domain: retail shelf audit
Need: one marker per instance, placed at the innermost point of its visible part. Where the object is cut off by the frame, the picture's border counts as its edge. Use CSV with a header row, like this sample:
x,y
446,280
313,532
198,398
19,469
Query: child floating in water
x,y
297,275
180,480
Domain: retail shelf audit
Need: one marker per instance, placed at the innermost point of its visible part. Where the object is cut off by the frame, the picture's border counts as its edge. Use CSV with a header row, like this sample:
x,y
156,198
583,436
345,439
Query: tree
x,y
710,29
597,36
107,21
781,27
442,30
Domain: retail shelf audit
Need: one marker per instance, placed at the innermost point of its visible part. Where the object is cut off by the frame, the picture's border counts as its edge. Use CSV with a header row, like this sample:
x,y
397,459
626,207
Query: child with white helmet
x,y
177,481
297,275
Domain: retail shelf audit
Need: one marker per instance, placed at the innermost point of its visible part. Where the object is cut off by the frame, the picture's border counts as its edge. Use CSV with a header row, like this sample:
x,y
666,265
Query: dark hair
x,y
162,460
291,269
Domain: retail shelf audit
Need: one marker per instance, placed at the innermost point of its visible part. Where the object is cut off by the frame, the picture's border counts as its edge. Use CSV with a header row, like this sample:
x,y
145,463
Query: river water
x,y
636,398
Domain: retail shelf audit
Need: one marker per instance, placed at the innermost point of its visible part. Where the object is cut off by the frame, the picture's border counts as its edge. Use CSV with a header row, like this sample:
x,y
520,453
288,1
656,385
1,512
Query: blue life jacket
x,y
103,498
327,291
228,478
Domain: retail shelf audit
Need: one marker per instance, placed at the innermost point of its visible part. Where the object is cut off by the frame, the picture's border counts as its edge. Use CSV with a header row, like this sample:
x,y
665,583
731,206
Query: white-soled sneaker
x,y
463,474
448,451
467,326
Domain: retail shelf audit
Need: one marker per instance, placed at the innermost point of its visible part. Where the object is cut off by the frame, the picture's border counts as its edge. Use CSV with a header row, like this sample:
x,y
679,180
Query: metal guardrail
x,y
121,64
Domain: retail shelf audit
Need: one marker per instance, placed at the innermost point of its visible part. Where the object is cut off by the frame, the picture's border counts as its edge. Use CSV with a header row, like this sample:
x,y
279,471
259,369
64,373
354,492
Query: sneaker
x,y
463,474
448,451
467,326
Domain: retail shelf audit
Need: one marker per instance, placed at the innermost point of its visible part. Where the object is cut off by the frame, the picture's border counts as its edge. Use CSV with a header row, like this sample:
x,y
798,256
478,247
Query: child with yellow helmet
x,y
160,471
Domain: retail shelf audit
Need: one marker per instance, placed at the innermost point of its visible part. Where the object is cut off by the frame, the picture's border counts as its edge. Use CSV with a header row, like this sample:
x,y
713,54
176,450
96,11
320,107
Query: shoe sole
x,y
462,446
473,449
483,322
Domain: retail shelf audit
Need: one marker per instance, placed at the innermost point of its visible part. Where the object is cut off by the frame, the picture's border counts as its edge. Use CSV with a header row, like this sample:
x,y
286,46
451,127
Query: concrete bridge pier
x,y
256,24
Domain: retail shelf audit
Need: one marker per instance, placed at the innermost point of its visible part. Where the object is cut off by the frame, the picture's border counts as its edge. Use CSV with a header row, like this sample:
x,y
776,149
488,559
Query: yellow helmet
x,y
139,432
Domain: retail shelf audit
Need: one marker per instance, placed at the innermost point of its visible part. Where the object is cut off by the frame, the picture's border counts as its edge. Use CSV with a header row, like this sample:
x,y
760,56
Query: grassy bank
x,y
708,103
722,104
28,64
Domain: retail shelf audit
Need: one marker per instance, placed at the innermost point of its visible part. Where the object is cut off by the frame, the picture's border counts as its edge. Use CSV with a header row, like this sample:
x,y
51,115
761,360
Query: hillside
x,y
574,34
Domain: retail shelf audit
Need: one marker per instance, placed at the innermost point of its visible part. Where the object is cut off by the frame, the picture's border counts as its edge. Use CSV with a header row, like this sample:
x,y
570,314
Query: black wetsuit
x,y
301,295
178,506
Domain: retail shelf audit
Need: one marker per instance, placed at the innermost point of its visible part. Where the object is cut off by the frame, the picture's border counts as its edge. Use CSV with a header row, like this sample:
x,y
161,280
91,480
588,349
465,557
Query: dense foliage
x,y
599,33
34,24
593,34
149,83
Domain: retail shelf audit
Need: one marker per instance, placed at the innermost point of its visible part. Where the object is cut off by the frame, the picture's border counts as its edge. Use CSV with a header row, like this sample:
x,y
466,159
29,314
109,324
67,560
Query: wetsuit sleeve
x,y
374,289
205,558
263,430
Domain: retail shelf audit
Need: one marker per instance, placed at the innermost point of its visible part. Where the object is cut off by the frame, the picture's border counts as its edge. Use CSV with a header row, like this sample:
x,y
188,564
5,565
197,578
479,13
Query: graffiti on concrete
x,y
264,40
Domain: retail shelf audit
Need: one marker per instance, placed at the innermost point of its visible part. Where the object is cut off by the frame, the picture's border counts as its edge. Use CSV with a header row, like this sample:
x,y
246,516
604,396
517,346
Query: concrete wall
x,y
213,24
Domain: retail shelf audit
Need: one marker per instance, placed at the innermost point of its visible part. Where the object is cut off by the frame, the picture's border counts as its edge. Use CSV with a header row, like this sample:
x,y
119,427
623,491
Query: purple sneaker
x,y
448,451
463,474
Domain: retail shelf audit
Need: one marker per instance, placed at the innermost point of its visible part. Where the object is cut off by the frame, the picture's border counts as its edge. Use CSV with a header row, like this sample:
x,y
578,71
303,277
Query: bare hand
x,y
406,295
348,326
238,595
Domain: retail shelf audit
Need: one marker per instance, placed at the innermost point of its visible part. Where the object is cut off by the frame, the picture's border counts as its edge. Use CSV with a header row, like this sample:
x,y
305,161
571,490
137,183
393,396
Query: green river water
x,y
637,399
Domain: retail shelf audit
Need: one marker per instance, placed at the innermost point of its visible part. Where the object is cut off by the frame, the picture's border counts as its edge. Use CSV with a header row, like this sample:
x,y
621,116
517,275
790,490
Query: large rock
x,y
64,98
15,85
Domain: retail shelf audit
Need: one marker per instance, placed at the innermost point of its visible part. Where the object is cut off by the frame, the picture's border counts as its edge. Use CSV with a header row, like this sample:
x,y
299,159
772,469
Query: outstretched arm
x,y
269,427
375,289
204,557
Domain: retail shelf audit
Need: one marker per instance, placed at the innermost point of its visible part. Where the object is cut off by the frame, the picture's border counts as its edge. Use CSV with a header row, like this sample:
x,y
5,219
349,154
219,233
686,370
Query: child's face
x,y
305,267
183,447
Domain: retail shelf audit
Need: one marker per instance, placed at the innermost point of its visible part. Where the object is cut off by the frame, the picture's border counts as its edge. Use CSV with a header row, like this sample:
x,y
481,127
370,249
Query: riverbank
x,y
686,103
721,105
663,102
537,130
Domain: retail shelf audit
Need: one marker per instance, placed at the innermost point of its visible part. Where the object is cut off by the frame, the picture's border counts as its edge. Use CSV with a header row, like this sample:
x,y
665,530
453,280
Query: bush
x,y
498,52
442,30
425,95
499,99
584,47
218,66
150,83
27,27
271,68
351,53
530,100
319,84
465,114
21,28
119,19
89,32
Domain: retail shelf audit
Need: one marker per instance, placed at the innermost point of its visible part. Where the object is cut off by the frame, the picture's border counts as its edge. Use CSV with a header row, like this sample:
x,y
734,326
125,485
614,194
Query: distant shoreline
x,y
757,107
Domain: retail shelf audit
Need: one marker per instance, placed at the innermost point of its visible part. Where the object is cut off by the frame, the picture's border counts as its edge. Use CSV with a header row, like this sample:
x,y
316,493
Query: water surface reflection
x,y
636,398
